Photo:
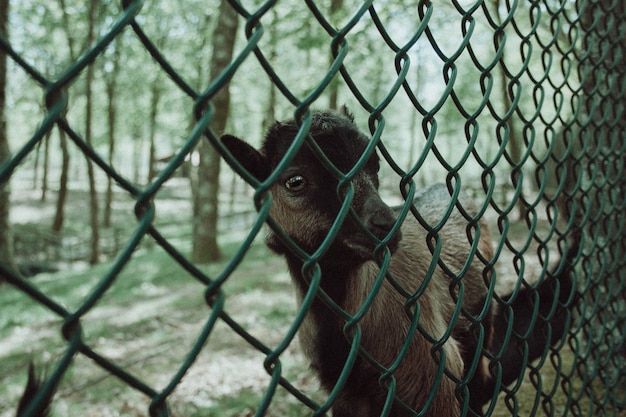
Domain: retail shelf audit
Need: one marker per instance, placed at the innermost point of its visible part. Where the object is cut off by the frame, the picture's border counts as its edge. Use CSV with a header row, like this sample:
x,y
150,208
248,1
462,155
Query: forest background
x,y
132,113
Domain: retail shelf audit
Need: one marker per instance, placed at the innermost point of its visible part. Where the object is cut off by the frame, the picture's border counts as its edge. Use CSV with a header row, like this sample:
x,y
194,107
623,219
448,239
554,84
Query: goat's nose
x,y
382,219
379,218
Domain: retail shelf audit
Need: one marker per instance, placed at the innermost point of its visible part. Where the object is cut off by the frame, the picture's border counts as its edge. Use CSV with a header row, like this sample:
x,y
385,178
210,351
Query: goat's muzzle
x,y
380,219
381,223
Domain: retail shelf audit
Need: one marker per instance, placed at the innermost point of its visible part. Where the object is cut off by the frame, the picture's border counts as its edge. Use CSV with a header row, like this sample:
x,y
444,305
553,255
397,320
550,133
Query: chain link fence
x,y
536,91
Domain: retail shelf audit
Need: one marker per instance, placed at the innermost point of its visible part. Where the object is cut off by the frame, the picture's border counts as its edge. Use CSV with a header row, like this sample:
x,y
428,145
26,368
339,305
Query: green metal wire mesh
x,y
564,108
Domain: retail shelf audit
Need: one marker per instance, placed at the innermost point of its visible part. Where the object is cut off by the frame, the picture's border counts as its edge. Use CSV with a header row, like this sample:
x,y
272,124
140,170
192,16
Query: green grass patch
x,y
146,322
150,318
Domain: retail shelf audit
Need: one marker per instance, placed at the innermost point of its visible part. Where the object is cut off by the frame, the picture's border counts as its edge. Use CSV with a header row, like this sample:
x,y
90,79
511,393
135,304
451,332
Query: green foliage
x,y
292,40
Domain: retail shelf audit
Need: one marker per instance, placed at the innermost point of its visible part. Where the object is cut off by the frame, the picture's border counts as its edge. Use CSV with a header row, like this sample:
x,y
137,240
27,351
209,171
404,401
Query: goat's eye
x,y
296,183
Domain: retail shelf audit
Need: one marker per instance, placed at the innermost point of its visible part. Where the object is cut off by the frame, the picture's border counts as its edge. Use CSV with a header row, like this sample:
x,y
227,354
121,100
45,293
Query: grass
x,y
146,323
150,318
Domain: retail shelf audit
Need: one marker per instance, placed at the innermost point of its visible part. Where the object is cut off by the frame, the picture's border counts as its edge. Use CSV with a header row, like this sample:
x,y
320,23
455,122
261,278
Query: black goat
x,y
306,203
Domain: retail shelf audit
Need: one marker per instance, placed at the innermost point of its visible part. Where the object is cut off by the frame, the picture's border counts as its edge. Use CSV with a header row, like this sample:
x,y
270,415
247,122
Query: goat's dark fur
x,y
31,390
307,202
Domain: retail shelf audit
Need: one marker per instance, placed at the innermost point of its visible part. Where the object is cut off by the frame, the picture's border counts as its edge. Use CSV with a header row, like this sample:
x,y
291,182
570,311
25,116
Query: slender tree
x,y
155,98
59,213
514,144
45,144
205,247
111,92
46,161
6,235
201,75
270,111
157,92
333,88
93,192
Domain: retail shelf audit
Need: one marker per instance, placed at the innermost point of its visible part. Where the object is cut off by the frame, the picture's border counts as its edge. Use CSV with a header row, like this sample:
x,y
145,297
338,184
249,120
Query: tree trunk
x,y
138,139
93,193
108,196
111,85
154,110
59,215
514,141
513,145
205,247
333,87
6,234
46,160
270,111
93,196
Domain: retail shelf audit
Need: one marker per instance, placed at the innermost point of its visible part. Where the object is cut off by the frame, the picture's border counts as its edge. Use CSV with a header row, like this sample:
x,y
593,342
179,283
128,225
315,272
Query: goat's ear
x,y
254,161
346,112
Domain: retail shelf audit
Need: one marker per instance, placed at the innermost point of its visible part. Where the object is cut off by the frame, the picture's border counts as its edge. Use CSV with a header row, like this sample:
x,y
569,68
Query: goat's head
x,y
306,196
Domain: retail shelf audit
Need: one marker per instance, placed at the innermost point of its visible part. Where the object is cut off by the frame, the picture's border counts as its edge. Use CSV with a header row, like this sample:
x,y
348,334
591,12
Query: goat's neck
x,y
334,280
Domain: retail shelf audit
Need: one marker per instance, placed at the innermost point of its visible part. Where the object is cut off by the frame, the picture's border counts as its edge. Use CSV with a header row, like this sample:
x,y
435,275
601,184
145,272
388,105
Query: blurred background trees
x,y
474,79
